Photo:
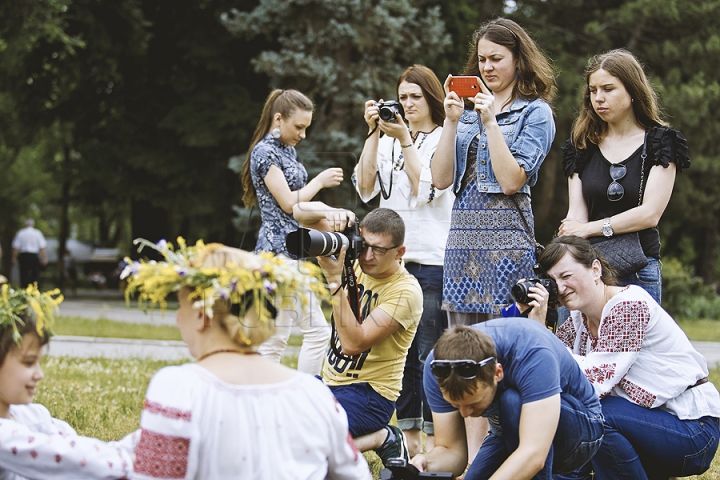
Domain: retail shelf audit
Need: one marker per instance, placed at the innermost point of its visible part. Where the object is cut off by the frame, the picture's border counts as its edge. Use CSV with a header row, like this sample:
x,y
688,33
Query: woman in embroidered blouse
x,y
661,413
490,152
602,161
233,414
273,178
398,165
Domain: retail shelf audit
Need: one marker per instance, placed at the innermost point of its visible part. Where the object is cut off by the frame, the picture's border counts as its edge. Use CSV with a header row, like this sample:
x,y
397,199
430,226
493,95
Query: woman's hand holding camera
x,y
485,105
539,304
397,129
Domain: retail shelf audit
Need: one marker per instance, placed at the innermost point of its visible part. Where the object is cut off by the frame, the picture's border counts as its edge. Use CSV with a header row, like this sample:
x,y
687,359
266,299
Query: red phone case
x,y
465,86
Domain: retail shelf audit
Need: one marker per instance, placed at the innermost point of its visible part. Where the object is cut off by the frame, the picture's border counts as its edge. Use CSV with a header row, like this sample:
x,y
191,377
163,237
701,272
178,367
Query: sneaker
x,y
394,445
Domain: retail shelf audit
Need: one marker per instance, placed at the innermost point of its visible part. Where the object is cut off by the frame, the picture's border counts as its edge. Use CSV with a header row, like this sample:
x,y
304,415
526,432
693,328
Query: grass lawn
x,y
103,397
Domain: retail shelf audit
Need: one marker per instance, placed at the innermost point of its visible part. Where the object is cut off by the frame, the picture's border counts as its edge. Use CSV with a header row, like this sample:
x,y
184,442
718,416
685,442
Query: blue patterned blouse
x,y
276,224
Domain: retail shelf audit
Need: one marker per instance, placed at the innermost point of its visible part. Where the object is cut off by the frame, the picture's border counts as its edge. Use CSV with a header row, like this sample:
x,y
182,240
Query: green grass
x,y
105,328
701,330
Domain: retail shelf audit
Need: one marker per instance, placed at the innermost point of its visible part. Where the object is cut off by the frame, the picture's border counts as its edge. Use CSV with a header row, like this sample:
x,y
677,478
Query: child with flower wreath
x,y
33,444
234,413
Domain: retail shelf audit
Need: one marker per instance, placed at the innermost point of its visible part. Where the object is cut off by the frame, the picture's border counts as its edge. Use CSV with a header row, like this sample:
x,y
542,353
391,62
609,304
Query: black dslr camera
x,y
521,290
387,110
306,242
400,469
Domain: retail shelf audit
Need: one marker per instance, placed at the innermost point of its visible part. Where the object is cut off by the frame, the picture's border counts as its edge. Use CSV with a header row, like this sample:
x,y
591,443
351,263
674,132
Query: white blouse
x,y
35,445
196,426
642,355
427,214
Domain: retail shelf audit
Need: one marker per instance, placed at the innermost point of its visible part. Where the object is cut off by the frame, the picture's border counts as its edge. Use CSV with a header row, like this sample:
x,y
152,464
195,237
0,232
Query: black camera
x,y
387,110
521,290
400,469
306,242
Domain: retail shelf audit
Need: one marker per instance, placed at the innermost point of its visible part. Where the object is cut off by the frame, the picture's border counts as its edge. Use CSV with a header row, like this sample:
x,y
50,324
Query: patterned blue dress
x,y
488,249
276,224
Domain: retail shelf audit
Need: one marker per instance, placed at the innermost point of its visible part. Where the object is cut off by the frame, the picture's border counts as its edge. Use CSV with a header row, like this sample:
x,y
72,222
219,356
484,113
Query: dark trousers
x,y
29,264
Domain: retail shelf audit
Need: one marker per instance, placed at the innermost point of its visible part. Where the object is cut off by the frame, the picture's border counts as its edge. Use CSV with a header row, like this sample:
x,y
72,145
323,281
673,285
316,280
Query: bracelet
x,y
406,146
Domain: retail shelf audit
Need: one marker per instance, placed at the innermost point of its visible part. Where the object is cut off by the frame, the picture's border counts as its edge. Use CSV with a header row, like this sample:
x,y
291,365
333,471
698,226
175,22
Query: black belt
x,y
698,383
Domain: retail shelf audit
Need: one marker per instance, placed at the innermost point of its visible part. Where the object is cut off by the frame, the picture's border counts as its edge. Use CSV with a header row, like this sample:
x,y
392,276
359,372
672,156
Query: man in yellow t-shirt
x,y
365,362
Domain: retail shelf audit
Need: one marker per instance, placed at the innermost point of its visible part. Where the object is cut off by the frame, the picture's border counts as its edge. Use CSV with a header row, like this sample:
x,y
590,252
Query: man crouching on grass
x,y
544,415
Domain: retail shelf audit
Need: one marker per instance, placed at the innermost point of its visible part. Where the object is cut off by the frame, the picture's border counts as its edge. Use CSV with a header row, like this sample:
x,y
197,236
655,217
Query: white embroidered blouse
x,y
642,355
35,445
196,426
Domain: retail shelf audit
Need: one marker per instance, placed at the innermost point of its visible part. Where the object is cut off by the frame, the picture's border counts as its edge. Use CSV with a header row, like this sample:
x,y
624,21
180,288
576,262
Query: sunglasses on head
x,y
465,369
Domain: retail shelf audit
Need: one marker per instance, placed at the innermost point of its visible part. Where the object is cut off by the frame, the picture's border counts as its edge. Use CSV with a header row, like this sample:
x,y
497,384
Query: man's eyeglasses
x,y
466,369
616,191
377,251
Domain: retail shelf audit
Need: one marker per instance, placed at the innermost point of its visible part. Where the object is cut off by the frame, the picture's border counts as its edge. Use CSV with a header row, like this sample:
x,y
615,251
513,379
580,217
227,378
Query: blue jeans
x,y
367,411
413,411
648,278
652,444
578,438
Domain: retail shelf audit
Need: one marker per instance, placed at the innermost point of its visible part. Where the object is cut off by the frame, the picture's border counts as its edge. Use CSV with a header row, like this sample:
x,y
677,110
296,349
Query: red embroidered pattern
x,y
623,330
600,373
638,394
169,412
566,333
161,456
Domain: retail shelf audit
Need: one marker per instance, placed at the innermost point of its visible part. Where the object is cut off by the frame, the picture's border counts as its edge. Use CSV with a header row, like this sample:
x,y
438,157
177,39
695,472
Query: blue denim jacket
x,y
529,130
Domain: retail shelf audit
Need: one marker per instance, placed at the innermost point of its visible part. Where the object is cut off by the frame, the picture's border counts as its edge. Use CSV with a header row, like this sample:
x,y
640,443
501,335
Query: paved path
x,y
113,307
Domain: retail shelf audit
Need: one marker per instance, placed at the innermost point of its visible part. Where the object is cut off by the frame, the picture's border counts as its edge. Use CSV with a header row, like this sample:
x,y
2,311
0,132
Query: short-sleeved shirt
x,y
664,145
381,365
29,240
276,223
535,364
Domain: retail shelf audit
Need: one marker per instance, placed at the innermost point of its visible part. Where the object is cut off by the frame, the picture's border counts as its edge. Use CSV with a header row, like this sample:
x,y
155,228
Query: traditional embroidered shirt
x,y
643,356
35,445
196,426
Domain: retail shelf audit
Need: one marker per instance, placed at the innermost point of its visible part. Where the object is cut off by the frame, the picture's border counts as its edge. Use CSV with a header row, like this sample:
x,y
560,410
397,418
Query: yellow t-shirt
x,y
382,365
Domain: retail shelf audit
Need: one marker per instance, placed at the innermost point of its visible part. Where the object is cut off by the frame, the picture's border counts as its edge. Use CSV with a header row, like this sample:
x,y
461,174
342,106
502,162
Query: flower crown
x,y
43,306
263,278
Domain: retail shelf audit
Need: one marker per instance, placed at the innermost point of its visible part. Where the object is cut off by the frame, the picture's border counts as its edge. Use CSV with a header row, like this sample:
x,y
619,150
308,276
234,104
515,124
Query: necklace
x,y
225,350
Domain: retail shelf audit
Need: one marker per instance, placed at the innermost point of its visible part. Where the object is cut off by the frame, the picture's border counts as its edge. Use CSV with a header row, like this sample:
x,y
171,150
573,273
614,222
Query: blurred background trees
x,y
130,118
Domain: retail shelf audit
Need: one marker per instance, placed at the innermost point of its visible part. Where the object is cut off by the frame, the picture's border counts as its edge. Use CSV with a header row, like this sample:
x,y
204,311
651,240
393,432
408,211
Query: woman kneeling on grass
x,y
233,413
33,444
661,413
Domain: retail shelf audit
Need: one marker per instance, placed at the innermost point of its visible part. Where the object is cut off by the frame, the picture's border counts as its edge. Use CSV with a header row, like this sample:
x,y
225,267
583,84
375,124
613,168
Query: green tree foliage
x,y
340,53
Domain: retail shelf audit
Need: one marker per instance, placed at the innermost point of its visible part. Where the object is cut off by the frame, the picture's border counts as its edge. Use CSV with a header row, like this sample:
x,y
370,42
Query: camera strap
x,y
350,282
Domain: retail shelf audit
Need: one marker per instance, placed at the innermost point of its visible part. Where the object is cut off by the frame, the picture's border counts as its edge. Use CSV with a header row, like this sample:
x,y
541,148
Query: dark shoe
x,y
393,446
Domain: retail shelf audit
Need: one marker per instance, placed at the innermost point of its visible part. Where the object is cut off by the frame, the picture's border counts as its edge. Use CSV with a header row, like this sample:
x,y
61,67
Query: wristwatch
x,y
607,228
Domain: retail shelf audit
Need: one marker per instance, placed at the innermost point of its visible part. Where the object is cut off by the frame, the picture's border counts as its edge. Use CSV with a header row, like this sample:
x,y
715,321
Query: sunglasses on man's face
x,y
466,369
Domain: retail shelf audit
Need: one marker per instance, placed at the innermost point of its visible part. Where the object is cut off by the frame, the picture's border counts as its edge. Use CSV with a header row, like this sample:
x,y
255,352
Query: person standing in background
x,y
398,165
28,249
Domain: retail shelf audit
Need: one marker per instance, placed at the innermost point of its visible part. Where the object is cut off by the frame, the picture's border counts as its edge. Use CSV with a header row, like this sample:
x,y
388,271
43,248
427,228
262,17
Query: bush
x,y
685,295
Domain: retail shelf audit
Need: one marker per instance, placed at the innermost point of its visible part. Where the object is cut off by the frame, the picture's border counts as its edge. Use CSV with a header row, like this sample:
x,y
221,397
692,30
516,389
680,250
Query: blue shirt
x,y
535,363
276,223
529,130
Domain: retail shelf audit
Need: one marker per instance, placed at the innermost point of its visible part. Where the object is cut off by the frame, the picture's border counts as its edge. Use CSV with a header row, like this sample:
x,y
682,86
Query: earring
x,y
275,133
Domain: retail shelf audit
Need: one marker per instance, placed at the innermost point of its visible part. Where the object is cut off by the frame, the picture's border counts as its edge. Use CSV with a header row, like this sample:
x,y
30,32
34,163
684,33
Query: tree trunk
x,y
148,222
64,231
707,259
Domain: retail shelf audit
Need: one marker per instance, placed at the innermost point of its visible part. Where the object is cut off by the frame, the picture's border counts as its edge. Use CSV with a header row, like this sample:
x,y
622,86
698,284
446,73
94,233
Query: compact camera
x,y
306,242
387,110
400,469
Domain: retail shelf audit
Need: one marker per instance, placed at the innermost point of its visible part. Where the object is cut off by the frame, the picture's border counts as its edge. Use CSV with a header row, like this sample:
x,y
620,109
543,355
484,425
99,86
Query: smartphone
x,y
465,86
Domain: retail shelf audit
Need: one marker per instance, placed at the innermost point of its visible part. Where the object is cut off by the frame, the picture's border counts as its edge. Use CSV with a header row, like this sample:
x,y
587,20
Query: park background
x,y
131,118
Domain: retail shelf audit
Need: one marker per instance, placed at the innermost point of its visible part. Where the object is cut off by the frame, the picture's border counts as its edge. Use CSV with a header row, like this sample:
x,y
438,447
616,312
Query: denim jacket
x,y
529,130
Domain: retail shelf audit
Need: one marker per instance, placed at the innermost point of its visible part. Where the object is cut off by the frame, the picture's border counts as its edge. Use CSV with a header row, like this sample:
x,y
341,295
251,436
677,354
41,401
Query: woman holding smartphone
x,y
272,177
398,166
490,151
